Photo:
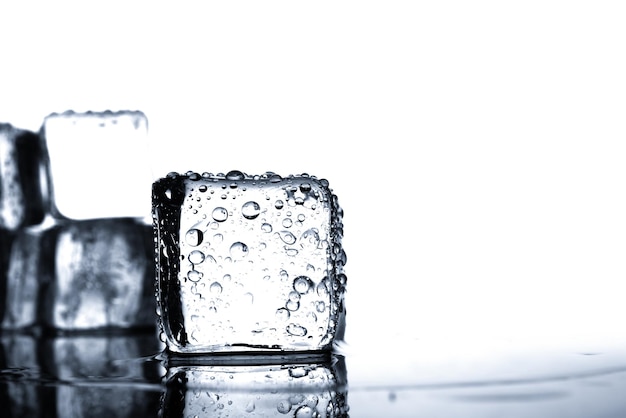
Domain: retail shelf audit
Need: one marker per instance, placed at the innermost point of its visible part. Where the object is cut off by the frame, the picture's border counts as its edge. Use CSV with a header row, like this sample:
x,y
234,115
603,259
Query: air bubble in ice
x,y
196,257
220,214
194,237
302,284
238,250
250,210
296,330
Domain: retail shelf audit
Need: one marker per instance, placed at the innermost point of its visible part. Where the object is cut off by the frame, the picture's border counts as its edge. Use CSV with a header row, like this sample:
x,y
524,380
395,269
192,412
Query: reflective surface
x,y
128,375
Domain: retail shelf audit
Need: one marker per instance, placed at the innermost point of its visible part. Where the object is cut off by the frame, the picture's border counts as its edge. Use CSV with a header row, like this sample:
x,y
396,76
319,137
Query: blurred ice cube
x,y
21,196
21,282
98,164
100,275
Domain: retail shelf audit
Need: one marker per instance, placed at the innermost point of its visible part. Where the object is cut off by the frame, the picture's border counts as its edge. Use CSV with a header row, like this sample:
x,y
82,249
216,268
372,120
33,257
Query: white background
x,y
478,148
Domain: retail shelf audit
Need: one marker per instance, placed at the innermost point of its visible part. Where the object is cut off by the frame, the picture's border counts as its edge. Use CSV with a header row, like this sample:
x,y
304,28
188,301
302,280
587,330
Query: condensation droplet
x,y
220,214
287,222
279,204
202,188
194,237
238,250
250,406
302,284
287,237
266,227
196,257
283,406
215,288
282,314
194,275
250,210
296,330
235,175
301,217
320,306
292,252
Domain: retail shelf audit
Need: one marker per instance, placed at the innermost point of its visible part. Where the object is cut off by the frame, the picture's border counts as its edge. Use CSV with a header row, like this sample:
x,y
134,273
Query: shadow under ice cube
x,y
248,263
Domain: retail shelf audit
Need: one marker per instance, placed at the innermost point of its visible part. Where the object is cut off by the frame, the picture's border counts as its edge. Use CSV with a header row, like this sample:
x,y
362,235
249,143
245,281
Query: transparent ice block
x,y
248,263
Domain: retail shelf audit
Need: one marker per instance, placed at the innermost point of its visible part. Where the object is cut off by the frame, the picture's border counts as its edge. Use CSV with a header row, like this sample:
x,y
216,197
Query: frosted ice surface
x,y
248,262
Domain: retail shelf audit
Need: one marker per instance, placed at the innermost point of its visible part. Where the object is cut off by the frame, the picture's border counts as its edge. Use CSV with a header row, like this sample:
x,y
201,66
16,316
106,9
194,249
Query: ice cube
x,y
99,275
298,389
21,189
98,164
21,281
248,262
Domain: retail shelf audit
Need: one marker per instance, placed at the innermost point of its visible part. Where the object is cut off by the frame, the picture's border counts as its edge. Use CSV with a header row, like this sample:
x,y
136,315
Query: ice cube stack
x,y
248,263
77,252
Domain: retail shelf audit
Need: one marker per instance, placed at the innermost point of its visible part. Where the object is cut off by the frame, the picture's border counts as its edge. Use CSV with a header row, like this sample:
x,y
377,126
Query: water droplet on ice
x,y
194,237
196,257
296,330
284,406
288,237
235,175
250,210
220,214
215,288
287,222
238,250
250,406
266,227
282,314
279,204
194,275
302,284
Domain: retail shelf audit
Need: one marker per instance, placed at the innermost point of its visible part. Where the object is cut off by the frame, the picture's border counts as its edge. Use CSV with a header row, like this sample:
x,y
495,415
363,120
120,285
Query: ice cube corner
x,y
248,263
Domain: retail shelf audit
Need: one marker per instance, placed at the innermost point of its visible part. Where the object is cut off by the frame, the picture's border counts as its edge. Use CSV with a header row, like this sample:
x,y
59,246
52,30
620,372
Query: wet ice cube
x,y
248,262
98,274
21,190
98,164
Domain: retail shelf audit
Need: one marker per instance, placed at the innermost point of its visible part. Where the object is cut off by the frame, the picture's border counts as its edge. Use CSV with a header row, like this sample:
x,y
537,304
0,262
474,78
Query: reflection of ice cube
x,y
248,262
101,275
98,164
300,389
95,375
19,357
21,197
